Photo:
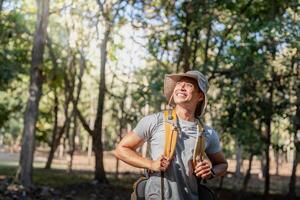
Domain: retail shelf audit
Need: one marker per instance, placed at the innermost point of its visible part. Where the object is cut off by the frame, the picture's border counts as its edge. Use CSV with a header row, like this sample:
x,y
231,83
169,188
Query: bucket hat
x,y
170,83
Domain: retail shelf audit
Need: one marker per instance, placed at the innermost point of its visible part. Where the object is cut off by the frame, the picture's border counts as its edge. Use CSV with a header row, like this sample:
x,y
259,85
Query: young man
x,y
186,92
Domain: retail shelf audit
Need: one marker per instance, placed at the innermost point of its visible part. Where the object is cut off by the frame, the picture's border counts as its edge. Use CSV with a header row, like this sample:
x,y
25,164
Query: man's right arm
x,y
126,151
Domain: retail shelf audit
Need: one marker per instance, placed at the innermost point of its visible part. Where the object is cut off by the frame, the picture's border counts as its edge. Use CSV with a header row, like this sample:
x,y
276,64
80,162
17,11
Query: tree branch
x,y
83,122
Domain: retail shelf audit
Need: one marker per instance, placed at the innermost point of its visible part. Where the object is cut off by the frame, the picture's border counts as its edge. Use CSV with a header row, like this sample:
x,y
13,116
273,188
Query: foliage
x,y
14,45
249,50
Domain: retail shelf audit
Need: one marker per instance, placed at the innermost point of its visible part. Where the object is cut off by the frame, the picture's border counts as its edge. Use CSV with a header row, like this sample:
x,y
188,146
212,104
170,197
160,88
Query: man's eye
x,y
189,85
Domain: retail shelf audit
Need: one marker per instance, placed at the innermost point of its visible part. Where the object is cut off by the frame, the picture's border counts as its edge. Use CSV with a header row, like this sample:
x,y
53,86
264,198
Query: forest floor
x,y
59,183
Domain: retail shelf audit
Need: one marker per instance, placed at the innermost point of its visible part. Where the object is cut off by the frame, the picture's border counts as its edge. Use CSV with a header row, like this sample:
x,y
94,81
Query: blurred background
x,y
76,75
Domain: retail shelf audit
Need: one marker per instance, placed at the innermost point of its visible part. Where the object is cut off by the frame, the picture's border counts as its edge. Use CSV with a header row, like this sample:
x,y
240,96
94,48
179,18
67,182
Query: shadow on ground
x,y
77,185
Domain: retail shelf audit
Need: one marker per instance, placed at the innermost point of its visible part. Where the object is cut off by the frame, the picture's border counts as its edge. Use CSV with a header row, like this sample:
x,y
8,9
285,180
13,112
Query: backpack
x,y
172,131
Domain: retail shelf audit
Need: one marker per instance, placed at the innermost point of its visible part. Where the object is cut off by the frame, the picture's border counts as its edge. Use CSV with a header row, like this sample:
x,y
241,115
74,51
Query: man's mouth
x,y
180,94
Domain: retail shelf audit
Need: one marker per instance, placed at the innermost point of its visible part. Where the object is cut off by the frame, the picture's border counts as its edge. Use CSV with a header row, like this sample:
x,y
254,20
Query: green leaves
x,y
14,48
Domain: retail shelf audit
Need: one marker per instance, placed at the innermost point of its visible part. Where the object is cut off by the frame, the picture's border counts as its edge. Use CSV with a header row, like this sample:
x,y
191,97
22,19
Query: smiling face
x,y
187,93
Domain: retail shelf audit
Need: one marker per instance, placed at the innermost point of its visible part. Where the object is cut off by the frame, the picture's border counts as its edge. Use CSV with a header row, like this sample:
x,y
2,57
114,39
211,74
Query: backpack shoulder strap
x,y
171,132
199,149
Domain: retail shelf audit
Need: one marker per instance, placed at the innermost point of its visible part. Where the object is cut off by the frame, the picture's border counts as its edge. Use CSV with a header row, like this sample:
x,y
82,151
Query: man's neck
x,y
185,113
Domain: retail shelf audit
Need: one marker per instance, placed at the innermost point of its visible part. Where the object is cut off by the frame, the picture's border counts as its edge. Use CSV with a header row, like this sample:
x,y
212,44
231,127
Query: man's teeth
x,y
181,95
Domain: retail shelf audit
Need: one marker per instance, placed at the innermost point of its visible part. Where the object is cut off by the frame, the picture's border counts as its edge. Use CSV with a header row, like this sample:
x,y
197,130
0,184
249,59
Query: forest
x,y
76,76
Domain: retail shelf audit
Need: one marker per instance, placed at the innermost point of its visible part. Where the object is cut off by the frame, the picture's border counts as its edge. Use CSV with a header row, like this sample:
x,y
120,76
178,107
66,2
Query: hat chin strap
x,y
169,103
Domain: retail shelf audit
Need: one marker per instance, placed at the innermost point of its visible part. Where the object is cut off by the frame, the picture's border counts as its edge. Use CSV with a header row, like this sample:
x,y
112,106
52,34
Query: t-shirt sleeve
x,y
146,127
213,145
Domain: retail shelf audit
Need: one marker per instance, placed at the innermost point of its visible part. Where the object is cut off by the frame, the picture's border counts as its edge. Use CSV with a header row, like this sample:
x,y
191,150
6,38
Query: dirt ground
x,y
121,188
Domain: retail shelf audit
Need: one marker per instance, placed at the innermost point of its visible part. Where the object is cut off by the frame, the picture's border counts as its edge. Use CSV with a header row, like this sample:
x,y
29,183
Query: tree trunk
x,y
292,184
35,93
267,166
276,153
72,143
54,132
97,133
90,146
206,59
56,137
186,46
296,124
238,159
248,174
247,177
74,113
268,143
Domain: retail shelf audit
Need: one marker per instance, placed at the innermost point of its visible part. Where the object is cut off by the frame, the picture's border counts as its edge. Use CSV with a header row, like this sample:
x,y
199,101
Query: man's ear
x,y
201,96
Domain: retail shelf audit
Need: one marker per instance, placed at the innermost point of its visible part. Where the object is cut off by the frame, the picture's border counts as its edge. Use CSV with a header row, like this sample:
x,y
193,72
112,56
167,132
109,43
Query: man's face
x,y
186,91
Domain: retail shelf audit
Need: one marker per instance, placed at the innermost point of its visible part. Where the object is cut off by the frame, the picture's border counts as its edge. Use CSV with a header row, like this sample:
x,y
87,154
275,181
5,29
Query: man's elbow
x,y
118,152
225,167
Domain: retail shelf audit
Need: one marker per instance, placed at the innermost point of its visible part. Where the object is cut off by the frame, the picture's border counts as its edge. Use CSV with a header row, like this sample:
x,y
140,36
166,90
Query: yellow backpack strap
x,y
171,132
199,149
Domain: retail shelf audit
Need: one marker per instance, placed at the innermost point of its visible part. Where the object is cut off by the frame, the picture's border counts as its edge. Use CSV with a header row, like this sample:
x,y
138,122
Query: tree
x,y
35,93
296,124
109,12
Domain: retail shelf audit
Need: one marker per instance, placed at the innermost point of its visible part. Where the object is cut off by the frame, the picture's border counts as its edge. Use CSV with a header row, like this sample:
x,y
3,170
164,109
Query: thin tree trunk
x,y
208,35
268,143
74,113
72,142
186,48
56,137
292,184
117,160
296,124
119,139
267,166
97,135
90,146
247,177
35,92
54,132
276,152
238,159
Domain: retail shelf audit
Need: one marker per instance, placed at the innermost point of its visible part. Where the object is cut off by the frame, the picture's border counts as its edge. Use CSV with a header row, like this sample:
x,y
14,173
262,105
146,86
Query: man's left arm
x,y
215,168
219,164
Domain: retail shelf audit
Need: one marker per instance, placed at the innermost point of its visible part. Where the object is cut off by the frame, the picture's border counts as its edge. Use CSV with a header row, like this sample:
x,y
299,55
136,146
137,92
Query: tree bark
x,y
292,184
268,143
247,177
35,92
56,137
208,35
74,113
248,174
54,132
72,142
238,158
277,154
296,124
97,134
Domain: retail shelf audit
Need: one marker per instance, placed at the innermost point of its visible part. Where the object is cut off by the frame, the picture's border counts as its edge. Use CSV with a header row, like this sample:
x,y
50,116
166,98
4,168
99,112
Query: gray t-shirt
x,y
179,181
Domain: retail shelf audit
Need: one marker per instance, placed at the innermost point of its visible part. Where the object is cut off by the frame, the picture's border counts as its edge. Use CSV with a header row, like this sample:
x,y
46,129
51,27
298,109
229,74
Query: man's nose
x,y
182,85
